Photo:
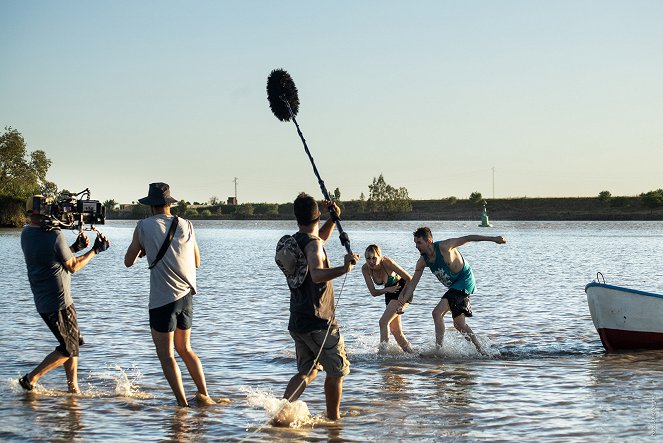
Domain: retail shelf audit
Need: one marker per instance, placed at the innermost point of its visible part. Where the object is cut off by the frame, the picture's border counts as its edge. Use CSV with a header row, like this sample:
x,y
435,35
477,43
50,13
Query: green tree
x,y
652,199
191,213
109,205
182,207
604,196
476,197
21,175
266,209
383,197
245,209
49,189
140,211
337,194
214,200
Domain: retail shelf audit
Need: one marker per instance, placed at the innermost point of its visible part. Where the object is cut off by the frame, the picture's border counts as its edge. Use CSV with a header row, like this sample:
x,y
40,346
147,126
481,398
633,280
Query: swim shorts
x,y
333,358
64,326
459,302
176,314
389,296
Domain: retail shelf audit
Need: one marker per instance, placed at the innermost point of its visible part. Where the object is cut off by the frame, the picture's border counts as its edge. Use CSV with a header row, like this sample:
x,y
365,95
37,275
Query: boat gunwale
x,y
623,289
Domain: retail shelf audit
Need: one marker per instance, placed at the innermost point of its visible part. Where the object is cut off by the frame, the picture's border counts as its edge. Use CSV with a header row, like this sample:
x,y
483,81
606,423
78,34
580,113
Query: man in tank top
x,y
447,263
312,310
172,286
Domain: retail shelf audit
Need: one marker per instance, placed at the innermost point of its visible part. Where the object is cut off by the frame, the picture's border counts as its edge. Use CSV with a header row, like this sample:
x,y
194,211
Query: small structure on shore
x,y
484,217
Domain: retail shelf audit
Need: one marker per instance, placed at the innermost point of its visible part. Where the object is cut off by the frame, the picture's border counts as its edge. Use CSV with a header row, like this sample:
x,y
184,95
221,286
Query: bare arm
x,y
75,264
451,243
327,228
315,258
133,251
408,291
196,254
369,282
391,266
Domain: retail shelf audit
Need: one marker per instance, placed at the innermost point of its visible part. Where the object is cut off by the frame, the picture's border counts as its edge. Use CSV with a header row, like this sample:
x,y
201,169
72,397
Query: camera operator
x,y
50,263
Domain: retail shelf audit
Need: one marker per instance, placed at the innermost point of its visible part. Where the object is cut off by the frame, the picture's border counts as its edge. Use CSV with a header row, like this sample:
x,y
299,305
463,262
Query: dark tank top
x,y
311,304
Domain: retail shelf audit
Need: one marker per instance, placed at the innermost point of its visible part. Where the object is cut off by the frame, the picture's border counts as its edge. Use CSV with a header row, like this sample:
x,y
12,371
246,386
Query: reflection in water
x,y
59,417
454,391
552,381
186,425
633,392
395,383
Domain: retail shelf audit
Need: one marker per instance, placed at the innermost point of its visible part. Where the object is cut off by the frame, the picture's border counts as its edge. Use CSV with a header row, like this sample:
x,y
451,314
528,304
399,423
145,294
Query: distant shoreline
x,y
505,209
508,209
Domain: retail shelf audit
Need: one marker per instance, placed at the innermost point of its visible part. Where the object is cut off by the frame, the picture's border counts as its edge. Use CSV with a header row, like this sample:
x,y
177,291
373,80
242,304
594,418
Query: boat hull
x,y
625,318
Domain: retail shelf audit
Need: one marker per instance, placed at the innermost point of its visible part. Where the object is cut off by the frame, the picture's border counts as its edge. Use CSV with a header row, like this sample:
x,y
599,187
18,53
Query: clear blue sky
x,y
562,98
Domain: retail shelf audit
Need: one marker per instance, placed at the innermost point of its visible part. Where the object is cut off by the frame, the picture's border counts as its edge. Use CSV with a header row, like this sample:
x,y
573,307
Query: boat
x,y
626,319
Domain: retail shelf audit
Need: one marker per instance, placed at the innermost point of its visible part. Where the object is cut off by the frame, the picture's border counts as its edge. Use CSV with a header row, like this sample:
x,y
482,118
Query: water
x,y
547,378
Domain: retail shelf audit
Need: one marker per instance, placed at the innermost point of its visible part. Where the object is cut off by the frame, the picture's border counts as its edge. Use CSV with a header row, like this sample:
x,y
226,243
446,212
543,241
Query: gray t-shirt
x,y
174,276
45,254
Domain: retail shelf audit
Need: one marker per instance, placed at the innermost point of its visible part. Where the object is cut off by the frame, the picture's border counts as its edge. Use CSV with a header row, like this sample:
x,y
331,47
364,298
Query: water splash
x,y
116,382
293,414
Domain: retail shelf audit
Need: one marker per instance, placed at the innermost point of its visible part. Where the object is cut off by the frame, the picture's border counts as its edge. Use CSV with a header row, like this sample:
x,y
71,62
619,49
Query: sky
x,y
444,98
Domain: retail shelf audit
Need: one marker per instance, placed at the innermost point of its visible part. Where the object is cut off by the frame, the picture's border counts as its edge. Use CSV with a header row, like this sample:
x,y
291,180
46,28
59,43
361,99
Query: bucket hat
x,y
157,195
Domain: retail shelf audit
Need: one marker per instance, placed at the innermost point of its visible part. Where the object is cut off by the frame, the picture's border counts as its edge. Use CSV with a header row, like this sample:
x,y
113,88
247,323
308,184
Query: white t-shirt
x,y
174,276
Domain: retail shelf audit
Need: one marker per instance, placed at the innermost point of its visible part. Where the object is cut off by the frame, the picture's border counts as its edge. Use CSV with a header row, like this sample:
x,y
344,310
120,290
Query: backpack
x,y
291,260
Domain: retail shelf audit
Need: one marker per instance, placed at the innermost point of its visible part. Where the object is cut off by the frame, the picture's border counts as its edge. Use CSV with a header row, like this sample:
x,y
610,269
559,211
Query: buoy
x,y
484,217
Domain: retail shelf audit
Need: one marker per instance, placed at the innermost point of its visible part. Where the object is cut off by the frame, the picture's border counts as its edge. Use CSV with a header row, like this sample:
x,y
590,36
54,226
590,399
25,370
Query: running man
x,y
447,263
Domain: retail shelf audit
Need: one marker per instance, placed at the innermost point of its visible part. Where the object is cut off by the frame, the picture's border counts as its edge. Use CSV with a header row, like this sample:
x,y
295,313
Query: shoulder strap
x,y
166,243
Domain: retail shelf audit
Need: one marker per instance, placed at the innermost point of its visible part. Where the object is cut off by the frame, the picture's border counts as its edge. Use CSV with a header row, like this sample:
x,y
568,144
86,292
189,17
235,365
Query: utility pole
x,y
235,181
493,182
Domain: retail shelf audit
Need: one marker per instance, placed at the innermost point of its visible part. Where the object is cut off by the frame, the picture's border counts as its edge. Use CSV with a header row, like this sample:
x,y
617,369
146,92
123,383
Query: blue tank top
x,y
463,280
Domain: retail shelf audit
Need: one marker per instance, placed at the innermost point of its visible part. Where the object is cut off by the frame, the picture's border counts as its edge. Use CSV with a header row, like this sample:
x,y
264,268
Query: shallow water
x,y
547,378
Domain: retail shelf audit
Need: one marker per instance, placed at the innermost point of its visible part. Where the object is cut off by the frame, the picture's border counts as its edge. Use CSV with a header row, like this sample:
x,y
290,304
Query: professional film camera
x,y
71,211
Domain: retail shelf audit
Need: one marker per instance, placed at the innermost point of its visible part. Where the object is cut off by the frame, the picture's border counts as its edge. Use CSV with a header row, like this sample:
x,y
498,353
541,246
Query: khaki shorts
x,y
333,359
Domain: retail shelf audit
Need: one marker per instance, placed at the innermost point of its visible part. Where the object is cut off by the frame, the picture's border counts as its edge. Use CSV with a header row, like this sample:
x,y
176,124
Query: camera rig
x,y
70,211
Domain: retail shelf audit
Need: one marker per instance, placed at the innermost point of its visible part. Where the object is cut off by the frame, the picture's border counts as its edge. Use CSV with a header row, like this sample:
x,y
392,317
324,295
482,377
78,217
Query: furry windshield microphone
x,y
283,100
282,93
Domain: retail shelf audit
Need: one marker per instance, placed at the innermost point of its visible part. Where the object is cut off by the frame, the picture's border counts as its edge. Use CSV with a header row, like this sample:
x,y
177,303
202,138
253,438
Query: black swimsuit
x,y
389,296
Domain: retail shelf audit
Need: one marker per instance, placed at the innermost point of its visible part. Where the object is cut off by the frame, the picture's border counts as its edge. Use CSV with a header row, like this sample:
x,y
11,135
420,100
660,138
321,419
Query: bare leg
x,y
438,319
52,361
295,386
464,328
192,362
396,326
387,317
71,370
333,393
163,341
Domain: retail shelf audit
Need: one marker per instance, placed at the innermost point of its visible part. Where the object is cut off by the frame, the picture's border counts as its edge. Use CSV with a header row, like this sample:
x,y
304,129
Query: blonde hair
x,y
375,249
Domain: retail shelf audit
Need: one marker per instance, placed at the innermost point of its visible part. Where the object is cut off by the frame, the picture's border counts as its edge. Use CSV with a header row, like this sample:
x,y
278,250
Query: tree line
x,y
23,174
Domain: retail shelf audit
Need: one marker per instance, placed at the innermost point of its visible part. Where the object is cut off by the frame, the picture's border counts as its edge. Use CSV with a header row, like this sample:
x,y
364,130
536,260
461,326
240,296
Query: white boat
x,y
626,318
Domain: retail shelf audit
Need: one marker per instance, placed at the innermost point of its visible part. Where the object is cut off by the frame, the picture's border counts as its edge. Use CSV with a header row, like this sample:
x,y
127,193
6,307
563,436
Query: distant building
x,y
232,200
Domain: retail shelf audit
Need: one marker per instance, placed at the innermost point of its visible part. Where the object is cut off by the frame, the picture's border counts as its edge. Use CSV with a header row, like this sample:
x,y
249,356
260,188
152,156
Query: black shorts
x,y
389,296
64,326
459,303
176,314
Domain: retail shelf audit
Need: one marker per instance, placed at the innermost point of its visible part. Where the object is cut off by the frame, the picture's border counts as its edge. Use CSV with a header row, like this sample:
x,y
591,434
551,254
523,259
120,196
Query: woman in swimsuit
x,y
383,271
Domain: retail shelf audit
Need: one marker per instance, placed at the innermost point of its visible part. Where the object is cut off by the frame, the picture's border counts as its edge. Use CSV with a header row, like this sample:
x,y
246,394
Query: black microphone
x,y
282,95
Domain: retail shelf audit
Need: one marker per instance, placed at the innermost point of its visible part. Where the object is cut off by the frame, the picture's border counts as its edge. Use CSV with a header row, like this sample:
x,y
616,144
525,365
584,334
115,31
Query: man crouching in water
x,y
448,265
312,310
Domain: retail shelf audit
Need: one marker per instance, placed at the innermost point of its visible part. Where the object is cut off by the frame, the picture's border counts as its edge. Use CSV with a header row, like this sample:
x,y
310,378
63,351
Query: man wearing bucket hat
x,y
169,243
312,321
